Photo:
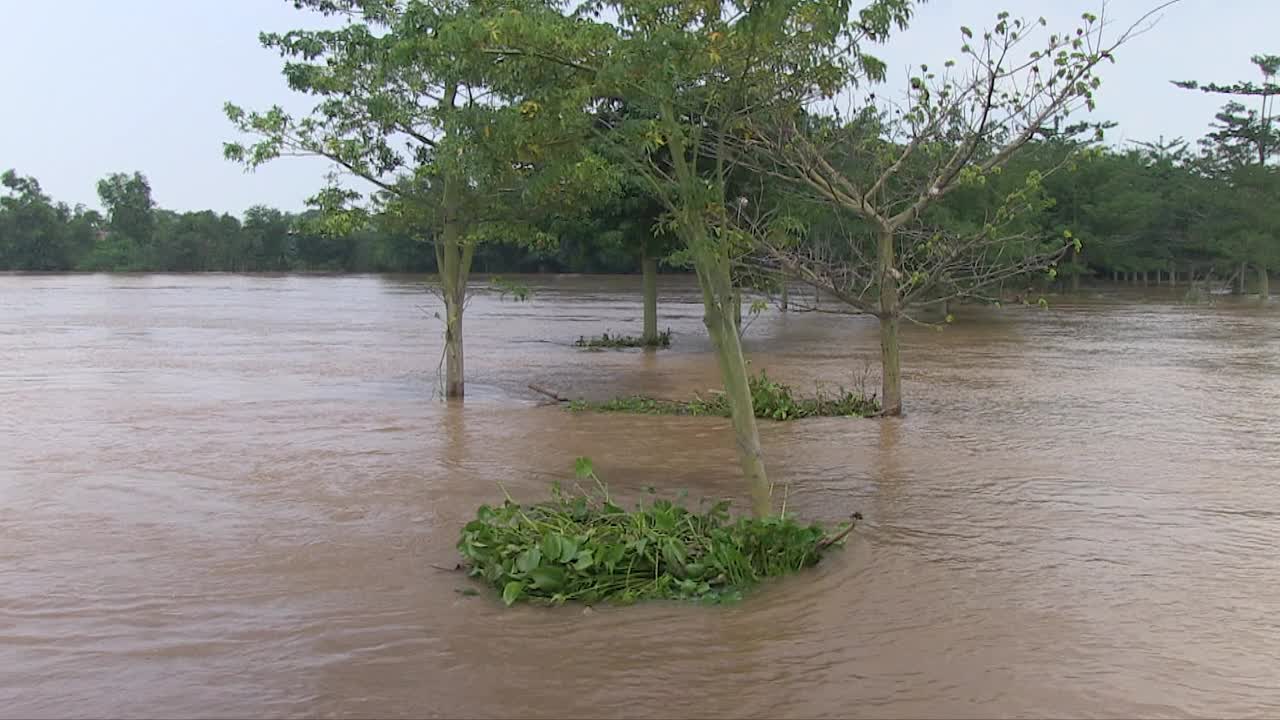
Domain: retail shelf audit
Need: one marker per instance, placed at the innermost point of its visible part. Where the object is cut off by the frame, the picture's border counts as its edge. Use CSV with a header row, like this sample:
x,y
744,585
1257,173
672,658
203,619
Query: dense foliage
x,y
582,546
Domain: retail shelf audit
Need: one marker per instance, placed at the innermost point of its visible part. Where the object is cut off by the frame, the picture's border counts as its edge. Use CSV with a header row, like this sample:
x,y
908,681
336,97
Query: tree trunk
x,y
454,267
785,294
649,269
453,260
454,371
1077,268
1144,278
890,367
1264,283
1115,277
453,257
890,362
1242,279
719,298
711,262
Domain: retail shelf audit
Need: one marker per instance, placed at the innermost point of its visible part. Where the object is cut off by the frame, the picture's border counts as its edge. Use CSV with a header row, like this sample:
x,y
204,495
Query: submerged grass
x,y
606,341
581,546
772,400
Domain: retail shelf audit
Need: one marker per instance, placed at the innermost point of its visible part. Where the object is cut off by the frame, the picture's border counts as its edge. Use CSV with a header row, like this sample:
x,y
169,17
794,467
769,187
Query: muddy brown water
x,y
222,496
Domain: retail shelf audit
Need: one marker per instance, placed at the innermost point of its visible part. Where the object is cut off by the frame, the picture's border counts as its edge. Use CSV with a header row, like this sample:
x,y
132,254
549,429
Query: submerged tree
x,y
407,102
887,166
691,73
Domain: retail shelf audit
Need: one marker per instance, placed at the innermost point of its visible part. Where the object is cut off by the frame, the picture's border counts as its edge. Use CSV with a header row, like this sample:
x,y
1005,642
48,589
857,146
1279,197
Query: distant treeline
x,y
1148,209
39,234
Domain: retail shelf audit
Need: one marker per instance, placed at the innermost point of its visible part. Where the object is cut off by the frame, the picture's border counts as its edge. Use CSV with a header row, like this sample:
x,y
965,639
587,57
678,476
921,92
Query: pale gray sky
x,y
91,87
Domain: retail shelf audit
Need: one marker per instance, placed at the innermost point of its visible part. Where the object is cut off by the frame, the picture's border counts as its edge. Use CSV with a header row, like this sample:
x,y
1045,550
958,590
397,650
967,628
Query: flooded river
x,y
222,496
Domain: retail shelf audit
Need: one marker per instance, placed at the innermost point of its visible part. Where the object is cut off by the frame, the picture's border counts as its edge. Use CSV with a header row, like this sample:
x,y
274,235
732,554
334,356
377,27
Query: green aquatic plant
x,y
613,342
640,405
771,400
581,546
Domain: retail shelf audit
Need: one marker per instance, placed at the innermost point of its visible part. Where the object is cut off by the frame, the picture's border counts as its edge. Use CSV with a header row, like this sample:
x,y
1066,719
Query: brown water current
x,y
222,496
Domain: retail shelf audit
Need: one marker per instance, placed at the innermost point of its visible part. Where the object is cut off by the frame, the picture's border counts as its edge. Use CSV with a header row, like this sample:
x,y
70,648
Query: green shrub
x,y
581,546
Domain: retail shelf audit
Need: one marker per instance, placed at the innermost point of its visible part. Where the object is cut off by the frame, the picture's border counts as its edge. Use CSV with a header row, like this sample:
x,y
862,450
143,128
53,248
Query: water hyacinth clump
x,y
582,546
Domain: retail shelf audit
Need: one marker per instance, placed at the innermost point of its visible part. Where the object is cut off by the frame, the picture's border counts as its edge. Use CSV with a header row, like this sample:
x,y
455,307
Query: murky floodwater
x,y
223,496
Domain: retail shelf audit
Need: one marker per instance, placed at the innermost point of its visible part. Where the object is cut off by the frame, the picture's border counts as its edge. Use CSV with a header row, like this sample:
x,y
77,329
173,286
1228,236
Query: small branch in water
x,y
843,534
548,393
442,568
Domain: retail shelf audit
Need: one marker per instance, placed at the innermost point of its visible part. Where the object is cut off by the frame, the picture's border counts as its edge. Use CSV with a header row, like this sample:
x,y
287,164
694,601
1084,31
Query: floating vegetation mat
x,y
581,546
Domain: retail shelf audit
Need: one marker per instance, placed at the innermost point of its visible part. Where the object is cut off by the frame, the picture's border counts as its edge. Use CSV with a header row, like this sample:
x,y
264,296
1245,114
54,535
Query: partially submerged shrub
x,y
607,341
581,546
772,401
640,405
777,401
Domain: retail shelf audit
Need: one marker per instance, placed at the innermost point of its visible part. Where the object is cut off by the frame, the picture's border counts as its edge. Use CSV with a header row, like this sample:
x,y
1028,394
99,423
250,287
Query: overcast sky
x,y
91,87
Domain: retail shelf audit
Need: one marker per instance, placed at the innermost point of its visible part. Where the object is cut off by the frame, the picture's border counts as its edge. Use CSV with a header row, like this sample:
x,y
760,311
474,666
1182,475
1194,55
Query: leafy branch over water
x,y
582,546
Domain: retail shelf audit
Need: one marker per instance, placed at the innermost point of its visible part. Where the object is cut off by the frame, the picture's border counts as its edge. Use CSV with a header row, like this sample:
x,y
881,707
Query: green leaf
x,y
551,547
582,468
568,549
529,559
512,592
548,578
585,560
966,32
674,552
